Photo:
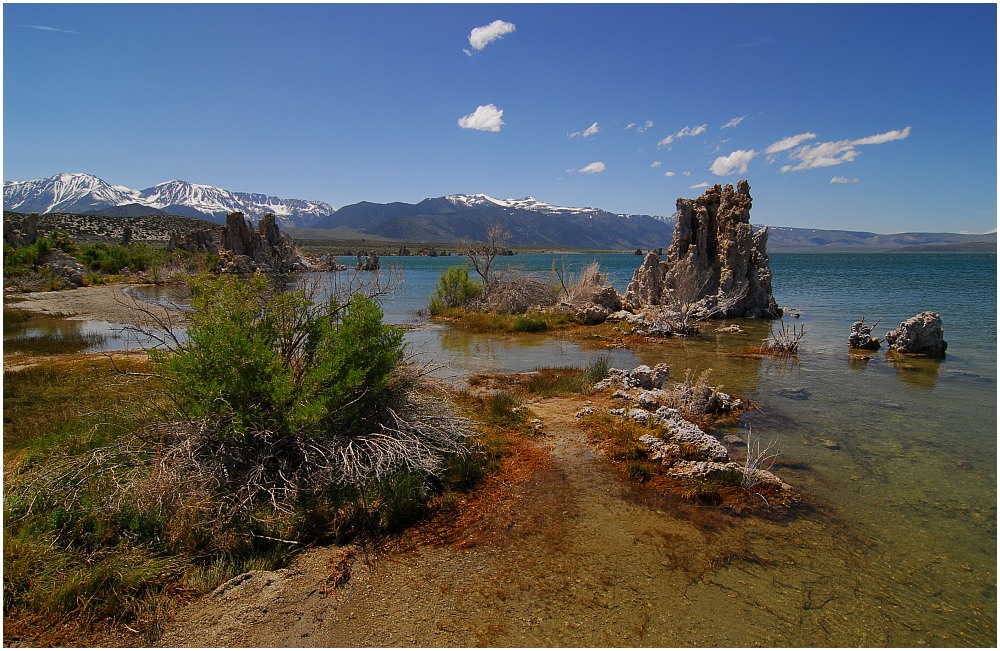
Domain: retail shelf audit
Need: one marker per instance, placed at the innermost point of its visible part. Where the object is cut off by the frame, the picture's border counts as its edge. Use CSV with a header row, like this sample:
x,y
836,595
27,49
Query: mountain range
x,y
87,194
448,219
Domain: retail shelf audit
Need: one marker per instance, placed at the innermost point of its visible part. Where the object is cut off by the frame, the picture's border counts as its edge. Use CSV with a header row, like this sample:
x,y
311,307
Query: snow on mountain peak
x,y
78,192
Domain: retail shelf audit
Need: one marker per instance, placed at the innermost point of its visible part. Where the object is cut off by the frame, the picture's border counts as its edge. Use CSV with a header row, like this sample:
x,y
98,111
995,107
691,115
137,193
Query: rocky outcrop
x,y
861,336
19,230
196,240
594,308
243,250
716,264
62,265
922,334
369,263
641,377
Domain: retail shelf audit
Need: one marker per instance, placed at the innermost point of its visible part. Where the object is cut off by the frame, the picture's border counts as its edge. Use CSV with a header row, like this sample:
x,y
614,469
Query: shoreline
x,y
112,303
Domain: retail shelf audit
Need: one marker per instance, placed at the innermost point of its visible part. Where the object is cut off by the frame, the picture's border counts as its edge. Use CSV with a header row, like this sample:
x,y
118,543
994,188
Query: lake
x,y
899,454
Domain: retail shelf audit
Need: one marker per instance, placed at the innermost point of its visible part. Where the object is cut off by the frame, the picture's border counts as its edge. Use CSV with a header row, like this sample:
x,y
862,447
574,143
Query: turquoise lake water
x,y
902,450
899,453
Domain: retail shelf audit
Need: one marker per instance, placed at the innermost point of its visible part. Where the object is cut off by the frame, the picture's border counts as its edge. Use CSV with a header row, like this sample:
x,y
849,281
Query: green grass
x,y
492,323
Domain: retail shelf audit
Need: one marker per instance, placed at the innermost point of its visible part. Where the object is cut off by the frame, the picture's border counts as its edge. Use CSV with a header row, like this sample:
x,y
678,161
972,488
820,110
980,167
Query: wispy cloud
x,y
484,118
669,174
734,162
594,168
843,179
837,152
480,37
46,28
586,133
698,186
788,143
734,122
685,132
644,127
656,164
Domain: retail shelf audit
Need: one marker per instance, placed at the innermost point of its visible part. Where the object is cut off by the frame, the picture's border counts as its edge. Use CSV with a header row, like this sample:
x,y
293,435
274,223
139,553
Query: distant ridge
x,y
452,218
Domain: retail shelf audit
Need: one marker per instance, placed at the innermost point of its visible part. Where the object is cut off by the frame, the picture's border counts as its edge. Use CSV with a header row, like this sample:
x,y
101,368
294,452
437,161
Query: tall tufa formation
x,y
243,250
716,264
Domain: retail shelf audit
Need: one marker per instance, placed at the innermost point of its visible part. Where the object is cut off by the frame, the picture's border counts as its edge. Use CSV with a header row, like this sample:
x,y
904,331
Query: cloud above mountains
x,y
734,162
837,152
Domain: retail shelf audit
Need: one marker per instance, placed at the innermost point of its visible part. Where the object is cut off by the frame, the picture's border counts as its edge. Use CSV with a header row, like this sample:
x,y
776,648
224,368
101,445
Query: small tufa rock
x,y
922,334
861,336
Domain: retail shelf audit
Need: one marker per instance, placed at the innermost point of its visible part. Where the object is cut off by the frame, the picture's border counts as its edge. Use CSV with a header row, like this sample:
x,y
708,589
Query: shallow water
x,y
899,452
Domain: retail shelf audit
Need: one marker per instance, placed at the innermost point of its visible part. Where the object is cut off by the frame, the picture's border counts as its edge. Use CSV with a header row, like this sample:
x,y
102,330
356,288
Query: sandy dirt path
x,y
571,556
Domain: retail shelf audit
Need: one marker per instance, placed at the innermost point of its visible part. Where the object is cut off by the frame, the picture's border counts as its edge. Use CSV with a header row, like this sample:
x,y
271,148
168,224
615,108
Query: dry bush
x,y
516,292
590,281
784,343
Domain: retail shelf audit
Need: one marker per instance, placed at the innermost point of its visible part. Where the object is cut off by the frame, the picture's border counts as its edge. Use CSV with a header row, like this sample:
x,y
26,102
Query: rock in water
x,y
861,336
716,264
922,334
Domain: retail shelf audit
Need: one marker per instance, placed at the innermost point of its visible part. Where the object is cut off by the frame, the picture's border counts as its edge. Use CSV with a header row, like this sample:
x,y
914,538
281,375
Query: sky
x,y
877,118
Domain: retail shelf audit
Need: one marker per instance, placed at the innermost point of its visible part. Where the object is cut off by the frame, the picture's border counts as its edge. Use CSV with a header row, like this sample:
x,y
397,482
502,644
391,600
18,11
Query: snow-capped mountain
x,y
530,222
526,203
84,193
64,193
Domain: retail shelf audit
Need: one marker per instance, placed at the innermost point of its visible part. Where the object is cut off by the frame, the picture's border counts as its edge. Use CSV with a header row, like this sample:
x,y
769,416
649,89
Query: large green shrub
x,y
257,360
112,258
454,289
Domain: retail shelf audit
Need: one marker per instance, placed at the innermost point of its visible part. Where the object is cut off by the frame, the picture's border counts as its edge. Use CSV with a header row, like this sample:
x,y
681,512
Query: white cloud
x,y
669,174
698,186
843,179
586,133
732,123
629,125
485,118
46,28
687,173
480,37
788,143
646,126
734,162
881,138
836,152
594,168
685,132
656,164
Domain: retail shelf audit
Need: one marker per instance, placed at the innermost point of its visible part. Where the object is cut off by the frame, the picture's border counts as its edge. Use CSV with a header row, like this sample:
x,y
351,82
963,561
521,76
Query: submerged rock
x,y
716,264
922,334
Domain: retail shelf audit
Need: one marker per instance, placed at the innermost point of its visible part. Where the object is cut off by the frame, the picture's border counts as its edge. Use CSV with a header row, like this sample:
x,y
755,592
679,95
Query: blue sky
x,y
863,117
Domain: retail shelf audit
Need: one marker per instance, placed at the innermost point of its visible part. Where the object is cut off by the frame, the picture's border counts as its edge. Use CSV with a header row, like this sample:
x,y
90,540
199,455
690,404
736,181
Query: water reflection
x,y
915,371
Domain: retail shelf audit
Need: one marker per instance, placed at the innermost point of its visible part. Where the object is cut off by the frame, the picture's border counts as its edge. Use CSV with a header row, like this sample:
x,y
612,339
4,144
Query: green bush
x,y
263,360
454,289
112,258
17,261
